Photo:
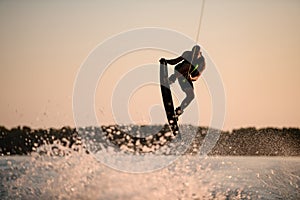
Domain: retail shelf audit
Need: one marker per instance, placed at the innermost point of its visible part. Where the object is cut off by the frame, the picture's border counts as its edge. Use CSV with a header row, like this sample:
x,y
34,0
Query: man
x,y
189,67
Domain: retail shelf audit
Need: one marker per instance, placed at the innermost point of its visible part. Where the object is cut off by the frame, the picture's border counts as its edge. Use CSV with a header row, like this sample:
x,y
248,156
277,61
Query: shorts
x,y
182,68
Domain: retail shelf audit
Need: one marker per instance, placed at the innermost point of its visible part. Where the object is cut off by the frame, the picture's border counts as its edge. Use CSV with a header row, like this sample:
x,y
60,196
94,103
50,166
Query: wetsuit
x,y
189,66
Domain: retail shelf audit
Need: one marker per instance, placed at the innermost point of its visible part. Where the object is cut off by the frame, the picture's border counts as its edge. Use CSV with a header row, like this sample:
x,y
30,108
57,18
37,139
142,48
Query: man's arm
x,y
195,78
174,61
171,61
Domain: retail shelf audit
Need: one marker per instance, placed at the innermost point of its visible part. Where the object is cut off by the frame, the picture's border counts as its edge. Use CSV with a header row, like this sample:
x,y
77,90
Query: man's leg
x,y
176,73
188,89
190,95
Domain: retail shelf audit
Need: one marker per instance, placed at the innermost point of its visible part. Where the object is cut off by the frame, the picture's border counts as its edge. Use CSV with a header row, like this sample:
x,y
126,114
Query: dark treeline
x,y
244,141
24,140
251,142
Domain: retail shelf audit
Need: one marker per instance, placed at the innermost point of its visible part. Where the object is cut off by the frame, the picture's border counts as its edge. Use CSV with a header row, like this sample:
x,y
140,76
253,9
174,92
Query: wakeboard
x,y
167,98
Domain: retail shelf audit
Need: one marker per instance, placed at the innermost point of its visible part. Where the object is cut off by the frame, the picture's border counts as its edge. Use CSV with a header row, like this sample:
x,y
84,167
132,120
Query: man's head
x,y
196,49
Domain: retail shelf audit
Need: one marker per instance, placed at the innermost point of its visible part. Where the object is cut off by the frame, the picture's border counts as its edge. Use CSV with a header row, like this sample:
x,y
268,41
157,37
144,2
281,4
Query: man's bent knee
x,y
190,94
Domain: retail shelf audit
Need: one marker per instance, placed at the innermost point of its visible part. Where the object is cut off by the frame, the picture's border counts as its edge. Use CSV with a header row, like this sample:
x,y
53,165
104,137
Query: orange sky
x,y
255,45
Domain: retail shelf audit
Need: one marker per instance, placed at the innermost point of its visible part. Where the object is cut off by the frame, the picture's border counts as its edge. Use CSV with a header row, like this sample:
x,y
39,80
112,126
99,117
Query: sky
x,y
254,45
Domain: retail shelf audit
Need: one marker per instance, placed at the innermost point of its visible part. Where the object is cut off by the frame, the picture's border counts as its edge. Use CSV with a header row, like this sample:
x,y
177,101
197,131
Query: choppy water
x,y
81,176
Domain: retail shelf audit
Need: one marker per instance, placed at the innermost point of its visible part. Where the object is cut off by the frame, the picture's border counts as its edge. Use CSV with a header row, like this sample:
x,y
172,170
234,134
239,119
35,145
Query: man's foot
x,y
178,111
